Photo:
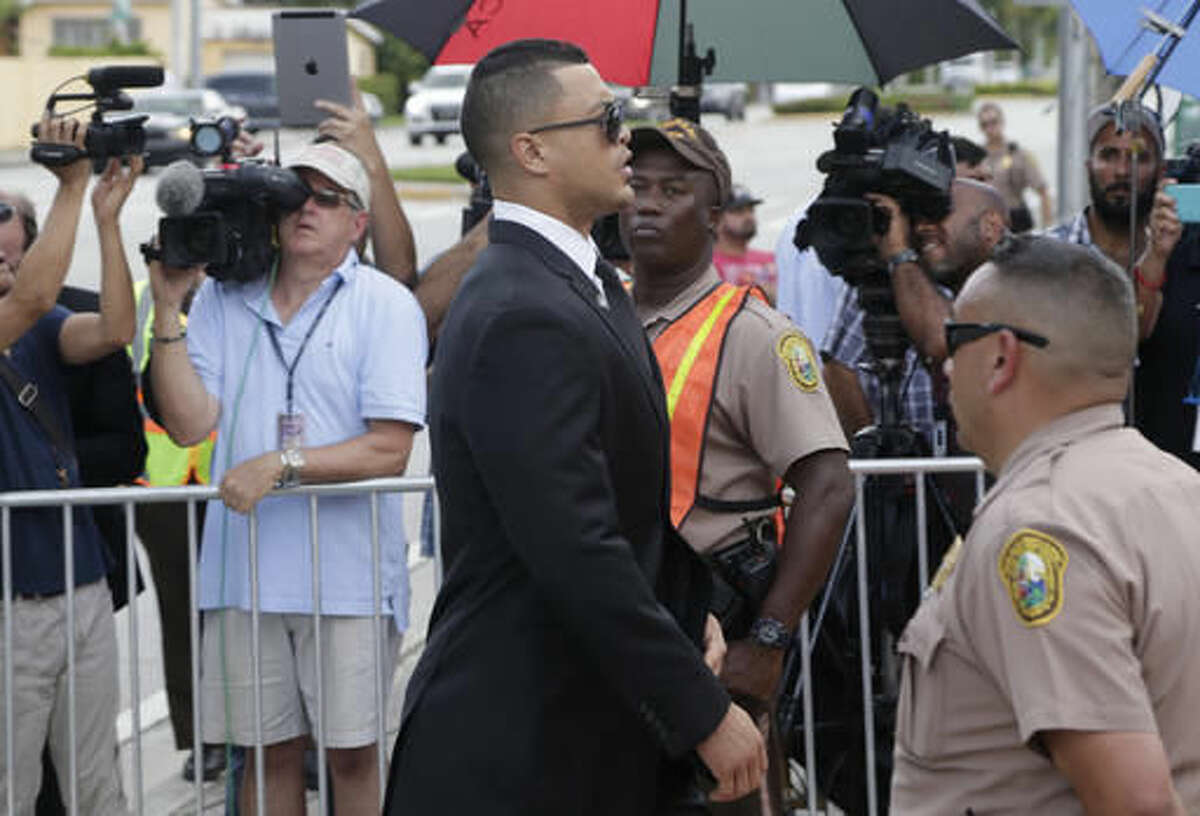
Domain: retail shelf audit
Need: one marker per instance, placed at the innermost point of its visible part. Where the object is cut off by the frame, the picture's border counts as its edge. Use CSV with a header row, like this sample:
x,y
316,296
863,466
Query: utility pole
x,y
195,72
1073,104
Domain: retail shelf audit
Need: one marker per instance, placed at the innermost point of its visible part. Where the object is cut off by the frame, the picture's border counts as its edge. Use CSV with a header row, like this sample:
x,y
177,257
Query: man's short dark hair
x,y
967,151
1074,291
508,88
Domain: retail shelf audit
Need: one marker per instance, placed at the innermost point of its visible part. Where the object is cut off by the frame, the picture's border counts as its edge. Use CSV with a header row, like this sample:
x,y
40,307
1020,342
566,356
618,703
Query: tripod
x,y
835,640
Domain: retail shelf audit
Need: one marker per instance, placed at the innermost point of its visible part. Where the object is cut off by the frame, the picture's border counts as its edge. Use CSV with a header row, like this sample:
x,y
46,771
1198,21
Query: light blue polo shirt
x,y
365,360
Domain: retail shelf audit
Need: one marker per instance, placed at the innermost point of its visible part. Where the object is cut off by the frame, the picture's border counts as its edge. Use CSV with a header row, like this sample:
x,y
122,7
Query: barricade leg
x,y
315,540
864,624
377,631
194,634
256,669
6,566
135,696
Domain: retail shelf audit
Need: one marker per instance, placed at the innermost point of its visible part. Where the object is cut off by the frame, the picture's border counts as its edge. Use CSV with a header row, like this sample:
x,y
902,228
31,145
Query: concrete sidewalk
x,y
166,792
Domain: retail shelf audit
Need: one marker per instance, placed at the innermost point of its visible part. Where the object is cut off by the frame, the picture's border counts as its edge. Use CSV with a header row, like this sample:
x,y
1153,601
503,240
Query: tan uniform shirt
x,y
1012,172
764,417
1075,604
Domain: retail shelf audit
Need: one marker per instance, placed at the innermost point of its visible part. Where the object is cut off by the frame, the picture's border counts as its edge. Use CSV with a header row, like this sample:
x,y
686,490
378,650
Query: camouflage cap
x,y
693,143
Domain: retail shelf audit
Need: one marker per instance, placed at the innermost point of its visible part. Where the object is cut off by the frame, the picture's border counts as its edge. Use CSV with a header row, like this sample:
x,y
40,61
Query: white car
x,y
435,103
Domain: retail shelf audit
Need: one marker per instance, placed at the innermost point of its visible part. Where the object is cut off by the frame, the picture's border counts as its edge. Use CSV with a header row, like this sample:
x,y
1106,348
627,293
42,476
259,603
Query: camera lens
x,y
207,139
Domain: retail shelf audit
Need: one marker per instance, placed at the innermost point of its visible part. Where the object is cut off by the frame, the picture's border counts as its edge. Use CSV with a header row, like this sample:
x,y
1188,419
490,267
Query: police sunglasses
x,y
959,334
612,119
6,211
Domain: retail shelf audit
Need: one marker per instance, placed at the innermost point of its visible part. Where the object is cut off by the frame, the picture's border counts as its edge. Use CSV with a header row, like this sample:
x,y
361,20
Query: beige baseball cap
x,y
339,165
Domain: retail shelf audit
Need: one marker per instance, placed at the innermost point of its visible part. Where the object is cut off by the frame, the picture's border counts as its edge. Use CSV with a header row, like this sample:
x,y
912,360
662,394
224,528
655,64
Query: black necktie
x,y
618,301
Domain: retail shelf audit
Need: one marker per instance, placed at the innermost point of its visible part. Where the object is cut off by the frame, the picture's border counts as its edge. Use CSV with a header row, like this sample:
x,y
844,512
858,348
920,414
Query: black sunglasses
x,y
612,119
959,334
6,211
331,199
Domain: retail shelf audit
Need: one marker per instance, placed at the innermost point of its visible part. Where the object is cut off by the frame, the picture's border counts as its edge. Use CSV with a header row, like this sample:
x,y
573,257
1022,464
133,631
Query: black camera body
x,y
226,219
214,137
877,150
103,139
1185,169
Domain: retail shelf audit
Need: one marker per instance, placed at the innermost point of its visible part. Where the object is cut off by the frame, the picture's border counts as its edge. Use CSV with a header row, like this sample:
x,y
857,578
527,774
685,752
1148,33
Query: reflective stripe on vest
x,y
689,353
166,462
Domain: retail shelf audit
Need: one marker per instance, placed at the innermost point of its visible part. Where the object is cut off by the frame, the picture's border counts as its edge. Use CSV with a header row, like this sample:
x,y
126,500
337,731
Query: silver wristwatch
x,y
771,633
292,460
906,255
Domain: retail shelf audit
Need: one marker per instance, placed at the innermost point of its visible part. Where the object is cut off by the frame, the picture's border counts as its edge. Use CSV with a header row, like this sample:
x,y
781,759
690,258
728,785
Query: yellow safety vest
x,y
166,462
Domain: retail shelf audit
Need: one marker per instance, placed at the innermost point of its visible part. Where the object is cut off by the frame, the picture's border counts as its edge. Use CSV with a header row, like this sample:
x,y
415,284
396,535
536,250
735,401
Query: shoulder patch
x,y
1032,566
798,357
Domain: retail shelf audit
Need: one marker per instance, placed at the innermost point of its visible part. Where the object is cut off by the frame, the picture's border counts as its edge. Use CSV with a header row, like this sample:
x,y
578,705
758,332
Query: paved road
x,y
774,156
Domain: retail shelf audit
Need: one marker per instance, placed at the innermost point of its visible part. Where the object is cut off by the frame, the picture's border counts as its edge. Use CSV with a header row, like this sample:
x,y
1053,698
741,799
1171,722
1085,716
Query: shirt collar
x,y
580,248
674,310
254,294
1058,433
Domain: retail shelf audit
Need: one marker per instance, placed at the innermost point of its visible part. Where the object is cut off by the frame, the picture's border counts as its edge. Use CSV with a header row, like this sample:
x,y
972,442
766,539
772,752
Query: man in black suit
x,y
563,671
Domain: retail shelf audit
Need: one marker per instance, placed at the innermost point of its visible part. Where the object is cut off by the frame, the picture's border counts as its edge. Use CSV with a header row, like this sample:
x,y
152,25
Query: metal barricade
x,y
128,497
864,469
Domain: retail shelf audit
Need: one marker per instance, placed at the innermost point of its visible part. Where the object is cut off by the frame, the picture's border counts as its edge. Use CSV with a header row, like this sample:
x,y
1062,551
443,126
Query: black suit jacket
x,y
562,673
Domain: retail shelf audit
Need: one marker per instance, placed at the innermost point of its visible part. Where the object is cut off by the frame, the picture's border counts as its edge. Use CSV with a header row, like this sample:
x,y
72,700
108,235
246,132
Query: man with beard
x,y
1166,276
946,252
736,262
1104,224
747,409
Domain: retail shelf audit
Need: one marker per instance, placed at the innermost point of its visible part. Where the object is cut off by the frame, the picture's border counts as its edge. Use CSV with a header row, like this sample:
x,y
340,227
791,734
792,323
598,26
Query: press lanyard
x,y
291,369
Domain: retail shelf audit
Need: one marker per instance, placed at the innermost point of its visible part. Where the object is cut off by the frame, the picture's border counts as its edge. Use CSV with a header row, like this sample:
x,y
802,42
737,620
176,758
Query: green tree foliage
x,y
395,56
1027,24
10,20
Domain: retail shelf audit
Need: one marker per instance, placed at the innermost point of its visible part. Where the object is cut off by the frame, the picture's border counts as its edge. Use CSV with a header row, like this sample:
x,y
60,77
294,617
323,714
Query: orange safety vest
x,y
689,354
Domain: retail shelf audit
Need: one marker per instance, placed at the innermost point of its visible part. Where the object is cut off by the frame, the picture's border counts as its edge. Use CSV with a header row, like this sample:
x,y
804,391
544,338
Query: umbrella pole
x,y
685,97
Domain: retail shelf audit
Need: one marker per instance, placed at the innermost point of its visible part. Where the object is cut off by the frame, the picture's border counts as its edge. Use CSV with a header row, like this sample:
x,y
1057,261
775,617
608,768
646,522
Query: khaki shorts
x,y
289,680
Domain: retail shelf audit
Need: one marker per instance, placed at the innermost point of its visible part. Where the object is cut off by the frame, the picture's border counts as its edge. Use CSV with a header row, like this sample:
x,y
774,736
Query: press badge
x,y
291,430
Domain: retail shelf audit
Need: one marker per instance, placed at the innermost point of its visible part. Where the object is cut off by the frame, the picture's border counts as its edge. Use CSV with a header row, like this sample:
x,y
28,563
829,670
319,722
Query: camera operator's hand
x,y
170,288
63,130
245,145
351,127
113,187
896,239
245,485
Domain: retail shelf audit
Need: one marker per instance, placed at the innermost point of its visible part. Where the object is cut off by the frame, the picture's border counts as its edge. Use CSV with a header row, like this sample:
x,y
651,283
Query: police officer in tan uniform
x,y
748,409
1054,666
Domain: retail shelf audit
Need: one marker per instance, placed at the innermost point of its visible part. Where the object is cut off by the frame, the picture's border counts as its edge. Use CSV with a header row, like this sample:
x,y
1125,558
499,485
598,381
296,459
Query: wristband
x,y
1153,287
156,339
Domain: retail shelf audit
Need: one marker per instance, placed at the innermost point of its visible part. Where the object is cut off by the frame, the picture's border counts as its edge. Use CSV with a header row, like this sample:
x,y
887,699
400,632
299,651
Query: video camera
x,y
877,150
214,137
103,140
224,218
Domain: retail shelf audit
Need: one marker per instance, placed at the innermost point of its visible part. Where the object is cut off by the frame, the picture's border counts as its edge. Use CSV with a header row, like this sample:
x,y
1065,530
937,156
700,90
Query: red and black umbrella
x,y
639,42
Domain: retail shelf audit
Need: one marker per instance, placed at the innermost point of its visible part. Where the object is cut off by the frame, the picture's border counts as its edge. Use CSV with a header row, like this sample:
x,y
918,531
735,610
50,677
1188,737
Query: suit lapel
x,y
635,348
